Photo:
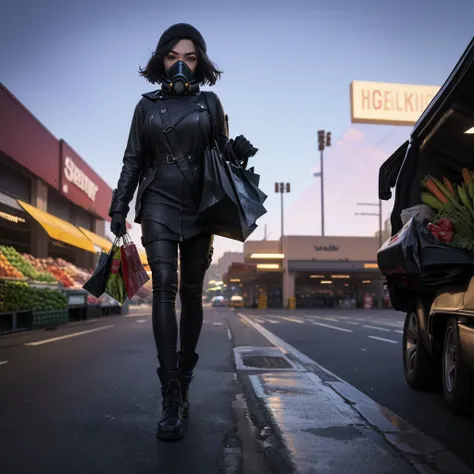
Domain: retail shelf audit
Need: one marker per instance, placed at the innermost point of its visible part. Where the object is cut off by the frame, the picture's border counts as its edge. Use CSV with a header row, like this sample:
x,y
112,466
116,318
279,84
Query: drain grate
x,y
266,362
266,358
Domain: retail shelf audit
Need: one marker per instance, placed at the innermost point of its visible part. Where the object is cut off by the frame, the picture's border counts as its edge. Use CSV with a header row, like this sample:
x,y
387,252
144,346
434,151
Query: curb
x,y
424,454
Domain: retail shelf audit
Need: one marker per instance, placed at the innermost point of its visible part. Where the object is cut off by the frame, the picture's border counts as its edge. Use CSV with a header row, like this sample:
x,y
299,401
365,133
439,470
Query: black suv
x,y
438,338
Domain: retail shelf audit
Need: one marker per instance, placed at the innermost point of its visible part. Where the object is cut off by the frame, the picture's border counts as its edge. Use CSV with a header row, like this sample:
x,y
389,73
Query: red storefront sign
x,y
24,139
81,185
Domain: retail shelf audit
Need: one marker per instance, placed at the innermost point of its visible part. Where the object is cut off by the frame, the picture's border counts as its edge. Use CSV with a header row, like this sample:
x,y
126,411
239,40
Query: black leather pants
x,y
162,253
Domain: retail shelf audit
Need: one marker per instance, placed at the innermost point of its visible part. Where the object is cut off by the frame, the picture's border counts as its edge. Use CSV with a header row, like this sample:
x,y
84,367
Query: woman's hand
x,y
118,226
242,148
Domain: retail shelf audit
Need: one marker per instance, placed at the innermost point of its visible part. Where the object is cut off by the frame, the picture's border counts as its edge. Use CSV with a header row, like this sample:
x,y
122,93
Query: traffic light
x,y
328,139
287,187
282,187
321,135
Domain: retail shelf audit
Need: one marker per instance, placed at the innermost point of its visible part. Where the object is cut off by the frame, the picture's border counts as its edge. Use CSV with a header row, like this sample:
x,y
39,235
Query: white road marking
x,y
364,350
332,327
218,324
229,334
141,315
399,332
326,318
352,323
292,320
205,322
390,324
383,339
3,362
260,321
375,327
67,336
142,320
272,321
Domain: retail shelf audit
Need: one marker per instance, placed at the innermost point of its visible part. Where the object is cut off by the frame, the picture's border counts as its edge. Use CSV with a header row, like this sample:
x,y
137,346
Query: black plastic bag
x,y
250,197
229,204
97,283
416,254
399,255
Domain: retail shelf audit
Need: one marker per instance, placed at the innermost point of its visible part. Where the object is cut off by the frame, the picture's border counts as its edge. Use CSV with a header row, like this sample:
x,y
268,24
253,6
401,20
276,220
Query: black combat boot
x,y
186,367
170,426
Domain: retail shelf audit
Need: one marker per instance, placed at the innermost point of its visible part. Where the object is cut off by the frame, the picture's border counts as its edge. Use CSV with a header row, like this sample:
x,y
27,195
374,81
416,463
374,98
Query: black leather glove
x,y
242,148
118,226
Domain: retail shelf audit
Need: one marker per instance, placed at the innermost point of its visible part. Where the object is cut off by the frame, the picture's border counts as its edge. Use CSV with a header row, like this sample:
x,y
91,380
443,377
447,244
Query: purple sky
x,y
287,69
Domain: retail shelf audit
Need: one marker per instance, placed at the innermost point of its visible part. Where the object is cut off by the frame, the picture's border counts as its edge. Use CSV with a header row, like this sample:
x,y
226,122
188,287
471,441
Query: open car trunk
x,y
438,144
441,145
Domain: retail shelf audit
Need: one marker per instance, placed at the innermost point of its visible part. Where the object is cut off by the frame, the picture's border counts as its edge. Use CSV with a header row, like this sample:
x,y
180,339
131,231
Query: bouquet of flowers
x,y
454,203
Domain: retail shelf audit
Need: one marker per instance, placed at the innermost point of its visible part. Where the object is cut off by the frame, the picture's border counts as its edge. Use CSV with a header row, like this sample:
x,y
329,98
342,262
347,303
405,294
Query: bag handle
x,y
170,134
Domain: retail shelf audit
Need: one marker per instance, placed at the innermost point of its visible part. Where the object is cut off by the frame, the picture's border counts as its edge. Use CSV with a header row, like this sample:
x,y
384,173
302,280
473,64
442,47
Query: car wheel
x,y
458,383
421,369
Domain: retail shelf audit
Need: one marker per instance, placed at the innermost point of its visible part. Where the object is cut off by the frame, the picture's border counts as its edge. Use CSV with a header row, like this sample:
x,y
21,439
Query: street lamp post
x,y
324,140
282,188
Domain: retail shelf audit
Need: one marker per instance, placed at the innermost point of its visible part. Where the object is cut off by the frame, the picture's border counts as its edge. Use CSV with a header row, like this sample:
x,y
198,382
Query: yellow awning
x,y
58,229
143,257
102,242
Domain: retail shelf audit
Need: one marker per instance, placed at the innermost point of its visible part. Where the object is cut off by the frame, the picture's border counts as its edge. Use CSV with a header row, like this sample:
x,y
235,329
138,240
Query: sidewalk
x,y
323,424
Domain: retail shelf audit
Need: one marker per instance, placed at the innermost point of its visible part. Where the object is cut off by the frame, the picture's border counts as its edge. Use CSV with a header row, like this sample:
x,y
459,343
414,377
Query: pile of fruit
x,y
454,203
78,275
7,270
17,296
25,267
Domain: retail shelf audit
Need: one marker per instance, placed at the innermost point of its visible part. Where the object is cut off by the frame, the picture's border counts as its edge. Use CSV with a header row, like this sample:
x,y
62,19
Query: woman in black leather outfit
x,y
166,205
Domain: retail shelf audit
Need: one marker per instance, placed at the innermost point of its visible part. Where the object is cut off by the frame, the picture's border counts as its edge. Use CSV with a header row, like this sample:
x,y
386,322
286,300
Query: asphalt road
x,y
89,403
364,348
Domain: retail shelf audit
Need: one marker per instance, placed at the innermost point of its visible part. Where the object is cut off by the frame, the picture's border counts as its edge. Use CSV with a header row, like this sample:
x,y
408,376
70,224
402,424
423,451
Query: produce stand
x,y
14,321
44,292
28,306
77,303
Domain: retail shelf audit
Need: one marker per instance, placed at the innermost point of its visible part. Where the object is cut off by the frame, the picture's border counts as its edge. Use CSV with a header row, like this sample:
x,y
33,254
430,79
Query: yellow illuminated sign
x,y
370,265
269,256
11,218
268,266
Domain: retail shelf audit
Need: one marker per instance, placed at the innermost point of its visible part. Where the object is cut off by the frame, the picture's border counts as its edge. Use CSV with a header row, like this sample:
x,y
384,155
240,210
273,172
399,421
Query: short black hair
x,y
206,71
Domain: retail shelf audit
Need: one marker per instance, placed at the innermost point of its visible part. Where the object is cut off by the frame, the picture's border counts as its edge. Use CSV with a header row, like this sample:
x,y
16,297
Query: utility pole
x,y
265,232
282,188
324,140
377,214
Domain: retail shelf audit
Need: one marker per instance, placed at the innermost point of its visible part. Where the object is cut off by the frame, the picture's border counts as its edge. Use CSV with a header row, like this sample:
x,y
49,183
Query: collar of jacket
x,y
161,94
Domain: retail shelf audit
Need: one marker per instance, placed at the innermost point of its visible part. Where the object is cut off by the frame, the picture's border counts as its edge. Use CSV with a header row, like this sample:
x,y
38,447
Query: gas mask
x,y
180,79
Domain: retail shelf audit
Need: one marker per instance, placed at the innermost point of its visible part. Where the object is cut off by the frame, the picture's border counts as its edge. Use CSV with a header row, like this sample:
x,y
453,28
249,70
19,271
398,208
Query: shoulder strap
x,y
211,102
170,133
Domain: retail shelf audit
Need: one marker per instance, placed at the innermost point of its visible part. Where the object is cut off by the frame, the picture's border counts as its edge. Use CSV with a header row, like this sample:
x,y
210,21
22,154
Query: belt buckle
x,y
170,159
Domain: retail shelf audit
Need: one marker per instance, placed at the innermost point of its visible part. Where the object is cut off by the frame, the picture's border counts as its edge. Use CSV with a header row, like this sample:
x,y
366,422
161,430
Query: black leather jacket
x,y
147,146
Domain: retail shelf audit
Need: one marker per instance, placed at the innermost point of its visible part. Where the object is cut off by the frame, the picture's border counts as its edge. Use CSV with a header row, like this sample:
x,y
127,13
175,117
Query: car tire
x,y
457,378
421,369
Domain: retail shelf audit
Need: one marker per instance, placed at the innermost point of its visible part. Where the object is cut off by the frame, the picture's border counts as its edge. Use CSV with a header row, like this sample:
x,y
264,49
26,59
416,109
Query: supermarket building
x,y
315,271
52,203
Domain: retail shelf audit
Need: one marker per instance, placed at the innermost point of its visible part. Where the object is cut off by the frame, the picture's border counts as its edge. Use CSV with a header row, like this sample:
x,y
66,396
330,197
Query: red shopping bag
x,y
134,274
